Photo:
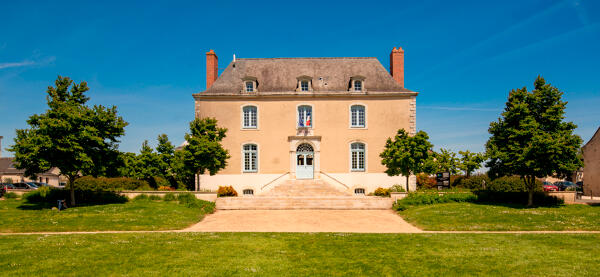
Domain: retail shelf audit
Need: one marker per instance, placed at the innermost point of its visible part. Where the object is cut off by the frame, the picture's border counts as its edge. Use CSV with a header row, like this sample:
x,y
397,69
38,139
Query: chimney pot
x,y
397,65
212,68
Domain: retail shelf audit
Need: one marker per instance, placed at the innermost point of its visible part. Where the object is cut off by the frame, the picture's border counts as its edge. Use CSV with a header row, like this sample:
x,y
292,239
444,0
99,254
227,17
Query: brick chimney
x,y
397,65
212,68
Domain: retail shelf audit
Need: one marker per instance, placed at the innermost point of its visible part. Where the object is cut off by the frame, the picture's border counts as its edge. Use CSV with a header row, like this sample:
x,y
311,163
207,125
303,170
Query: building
x,y
10,174
323,119
591,167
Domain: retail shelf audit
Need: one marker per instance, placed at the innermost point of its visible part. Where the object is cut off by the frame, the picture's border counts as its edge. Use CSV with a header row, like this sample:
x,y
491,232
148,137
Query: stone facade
x,y
344,153
591,167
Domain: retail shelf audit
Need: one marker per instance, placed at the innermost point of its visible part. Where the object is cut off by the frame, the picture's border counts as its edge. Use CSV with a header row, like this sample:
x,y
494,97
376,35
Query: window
x,y
304,85
305,116
250,117
248,192
357,156
249,86
357,85
359,191
250,158
357,116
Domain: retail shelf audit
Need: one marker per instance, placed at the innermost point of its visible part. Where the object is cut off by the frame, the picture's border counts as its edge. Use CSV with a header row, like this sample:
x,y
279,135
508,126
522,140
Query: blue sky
x,y
147,58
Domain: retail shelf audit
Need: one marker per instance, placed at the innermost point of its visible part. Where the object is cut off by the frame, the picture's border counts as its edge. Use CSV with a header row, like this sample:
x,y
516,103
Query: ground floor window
x,y
359,191
357,156
248,192
250,158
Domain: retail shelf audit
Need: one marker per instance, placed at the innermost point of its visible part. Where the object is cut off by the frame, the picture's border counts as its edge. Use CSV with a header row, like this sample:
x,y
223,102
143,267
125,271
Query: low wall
x,y
567,196
398,195
206,196
19,191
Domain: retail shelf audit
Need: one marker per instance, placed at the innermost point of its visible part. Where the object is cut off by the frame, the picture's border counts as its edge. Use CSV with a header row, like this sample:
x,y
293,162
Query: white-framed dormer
x,y
357,84
304,84
357,156
356,120
249,84
301,111
250,156
248,121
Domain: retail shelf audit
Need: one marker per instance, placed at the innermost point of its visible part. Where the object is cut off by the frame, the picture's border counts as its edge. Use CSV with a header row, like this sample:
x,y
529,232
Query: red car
x,y
550,187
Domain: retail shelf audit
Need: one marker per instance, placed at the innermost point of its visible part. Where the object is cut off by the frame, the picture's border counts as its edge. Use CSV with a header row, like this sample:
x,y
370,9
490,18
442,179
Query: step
x,y
304,203
292,188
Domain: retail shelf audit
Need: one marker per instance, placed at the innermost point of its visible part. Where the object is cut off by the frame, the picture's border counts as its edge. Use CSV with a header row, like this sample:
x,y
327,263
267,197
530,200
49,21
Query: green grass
x,y
15,216
285,254
491,217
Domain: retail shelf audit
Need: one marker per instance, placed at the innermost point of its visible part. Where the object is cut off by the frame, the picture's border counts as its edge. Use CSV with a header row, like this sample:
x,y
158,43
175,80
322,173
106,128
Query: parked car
x,y
39,184
550,187
565,185
21,185
8,186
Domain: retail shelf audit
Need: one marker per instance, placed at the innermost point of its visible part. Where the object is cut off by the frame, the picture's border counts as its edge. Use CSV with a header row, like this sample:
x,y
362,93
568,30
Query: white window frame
x,y
243,117
312,116
357,117
253,166
353,81
302,79
251,83
358,151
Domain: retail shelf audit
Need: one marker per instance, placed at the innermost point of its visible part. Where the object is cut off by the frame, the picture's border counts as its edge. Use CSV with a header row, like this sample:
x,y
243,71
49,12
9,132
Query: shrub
x,y
191,201
11,195
510,184
141,197
7,180
84,197
157,182
226,191
166,188
426,182
154,197
110,184
169,197
382,192
473,182
396,188
418,199
517,197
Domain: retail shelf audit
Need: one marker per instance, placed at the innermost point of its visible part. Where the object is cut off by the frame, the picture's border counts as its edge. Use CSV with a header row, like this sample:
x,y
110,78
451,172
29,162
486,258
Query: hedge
x,y
89,183
47,195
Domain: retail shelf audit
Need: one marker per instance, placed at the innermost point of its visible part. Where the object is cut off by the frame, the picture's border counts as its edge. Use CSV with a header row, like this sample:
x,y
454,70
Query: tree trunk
x,y
407,189
530,183
468,174
72,189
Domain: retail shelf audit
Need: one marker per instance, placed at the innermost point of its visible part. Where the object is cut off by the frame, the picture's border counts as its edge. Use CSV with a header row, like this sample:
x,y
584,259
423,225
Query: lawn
x,y
15,216
291,254
490,217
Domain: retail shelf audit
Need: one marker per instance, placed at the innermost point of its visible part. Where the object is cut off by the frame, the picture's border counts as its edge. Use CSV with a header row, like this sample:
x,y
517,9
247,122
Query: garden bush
x,y
191,201
170,197
425,182
157,182
154,197
11,195
141,197
164,188
517,197
110,184
429,198
510,184
473,182
46,195
226,191
382,192
396,188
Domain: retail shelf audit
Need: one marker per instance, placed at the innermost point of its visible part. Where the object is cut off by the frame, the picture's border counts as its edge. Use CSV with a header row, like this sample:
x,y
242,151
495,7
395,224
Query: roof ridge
x,y
291,58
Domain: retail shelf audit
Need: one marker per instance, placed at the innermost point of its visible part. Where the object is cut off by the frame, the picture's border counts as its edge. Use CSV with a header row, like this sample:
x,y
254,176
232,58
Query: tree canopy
x,y
446,161
407,155
470,161
71,136
531,138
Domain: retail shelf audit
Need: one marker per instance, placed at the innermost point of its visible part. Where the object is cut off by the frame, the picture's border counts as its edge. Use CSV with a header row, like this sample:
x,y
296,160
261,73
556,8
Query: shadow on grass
x,y
515,205
44,205
39,200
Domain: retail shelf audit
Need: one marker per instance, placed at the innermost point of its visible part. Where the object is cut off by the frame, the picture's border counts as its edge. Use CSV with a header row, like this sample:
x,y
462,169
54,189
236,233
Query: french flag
x,y
308,120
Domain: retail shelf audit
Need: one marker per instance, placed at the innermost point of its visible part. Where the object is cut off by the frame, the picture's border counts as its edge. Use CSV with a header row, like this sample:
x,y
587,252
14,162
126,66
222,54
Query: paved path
x,y
356,221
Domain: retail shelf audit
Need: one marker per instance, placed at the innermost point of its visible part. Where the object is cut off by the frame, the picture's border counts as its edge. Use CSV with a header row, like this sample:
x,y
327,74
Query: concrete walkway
x,y
355,221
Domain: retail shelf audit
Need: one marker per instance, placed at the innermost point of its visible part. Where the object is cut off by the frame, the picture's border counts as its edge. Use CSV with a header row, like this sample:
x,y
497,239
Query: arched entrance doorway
x,y
305,161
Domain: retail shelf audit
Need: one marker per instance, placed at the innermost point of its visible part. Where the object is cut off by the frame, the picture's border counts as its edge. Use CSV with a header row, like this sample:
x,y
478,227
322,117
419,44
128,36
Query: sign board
x,y
443,180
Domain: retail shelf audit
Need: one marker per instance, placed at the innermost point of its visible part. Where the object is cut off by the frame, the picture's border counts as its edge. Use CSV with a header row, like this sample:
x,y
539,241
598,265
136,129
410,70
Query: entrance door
x,y
304,161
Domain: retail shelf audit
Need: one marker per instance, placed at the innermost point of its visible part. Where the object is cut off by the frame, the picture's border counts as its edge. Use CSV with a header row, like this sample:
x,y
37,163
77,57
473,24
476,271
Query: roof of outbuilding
x,y
7,168
280,75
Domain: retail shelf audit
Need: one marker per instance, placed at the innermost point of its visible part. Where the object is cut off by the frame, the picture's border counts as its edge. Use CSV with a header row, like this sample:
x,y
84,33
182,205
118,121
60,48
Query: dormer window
x,y
357,84
304,84
250,84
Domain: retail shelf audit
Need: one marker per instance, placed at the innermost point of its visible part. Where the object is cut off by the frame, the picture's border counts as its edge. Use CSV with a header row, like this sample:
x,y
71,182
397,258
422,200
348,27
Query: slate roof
x,y
7,168
329,75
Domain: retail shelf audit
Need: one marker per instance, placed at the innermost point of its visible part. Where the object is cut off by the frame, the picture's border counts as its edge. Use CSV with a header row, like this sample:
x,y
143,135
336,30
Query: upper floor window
x,y
357,116
357,156
249,86
304,85
250,152
305,116
357,85
250,117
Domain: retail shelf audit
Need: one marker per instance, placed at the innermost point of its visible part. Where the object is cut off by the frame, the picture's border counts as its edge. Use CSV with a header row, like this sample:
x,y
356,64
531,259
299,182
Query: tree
x,y
531,138
407,155
166,153
204,151
446,161
71,136
470,161
148,162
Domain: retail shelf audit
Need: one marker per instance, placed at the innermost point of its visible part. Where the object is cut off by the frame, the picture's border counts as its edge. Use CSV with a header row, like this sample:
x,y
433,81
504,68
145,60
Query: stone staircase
x,y
304,194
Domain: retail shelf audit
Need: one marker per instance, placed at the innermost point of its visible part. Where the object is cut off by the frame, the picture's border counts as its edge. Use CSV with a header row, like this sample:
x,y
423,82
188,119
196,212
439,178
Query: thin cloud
x,y
19,64
447,108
